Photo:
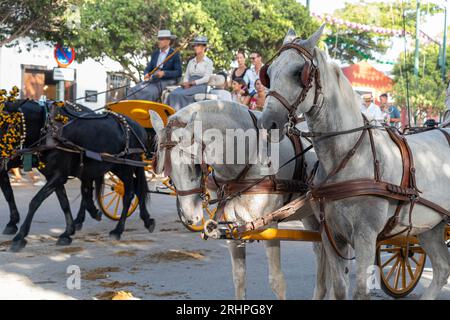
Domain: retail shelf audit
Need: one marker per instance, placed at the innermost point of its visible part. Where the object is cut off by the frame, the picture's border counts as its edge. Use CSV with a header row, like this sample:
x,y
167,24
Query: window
x,y
119,81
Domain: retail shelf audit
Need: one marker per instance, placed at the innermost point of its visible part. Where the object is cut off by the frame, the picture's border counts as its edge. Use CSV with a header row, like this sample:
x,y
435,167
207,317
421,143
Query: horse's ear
x,y
314,39
290,35
156,121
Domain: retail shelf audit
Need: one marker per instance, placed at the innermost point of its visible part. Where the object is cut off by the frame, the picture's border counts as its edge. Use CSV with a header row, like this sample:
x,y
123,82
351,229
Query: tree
x,y
258,25
35,19
351,45
125,30
427,91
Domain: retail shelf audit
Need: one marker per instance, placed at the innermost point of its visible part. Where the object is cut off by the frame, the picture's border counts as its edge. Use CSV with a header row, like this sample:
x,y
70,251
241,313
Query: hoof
x,y
18,245
64,241
150,225
114,235
10,230
97,216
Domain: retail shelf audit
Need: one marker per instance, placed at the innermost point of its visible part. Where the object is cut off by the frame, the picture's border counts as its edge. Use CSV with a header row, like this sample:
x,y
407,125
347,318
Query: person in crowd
x,y
220,88
391,111
198,72
253,75
259,98
240,92
370,109
167,74
242,71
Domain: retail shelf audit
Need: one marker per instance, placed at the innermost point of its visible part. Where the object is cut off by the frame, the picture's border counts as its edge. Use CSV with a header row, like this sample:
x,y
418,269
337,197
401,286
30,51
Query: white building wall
x,y
90,75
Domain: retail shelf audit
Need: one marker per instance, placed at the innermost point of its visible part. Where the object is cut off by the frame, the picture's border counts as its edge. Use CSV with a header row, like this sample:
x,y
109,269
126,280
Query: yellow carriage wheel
x,y
111,198
400,268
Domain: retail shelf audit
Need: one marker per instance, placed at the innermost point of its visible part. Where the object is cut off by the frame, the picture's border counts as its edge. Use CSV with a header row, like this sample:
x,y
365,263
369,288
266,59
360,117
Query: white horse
x,y
359,220
221,116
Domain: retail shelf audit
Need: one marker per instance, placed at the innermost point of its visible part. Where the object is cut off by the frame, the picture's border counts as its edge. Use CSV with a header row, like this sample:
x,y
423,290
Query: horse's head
x,y
293,79
175,158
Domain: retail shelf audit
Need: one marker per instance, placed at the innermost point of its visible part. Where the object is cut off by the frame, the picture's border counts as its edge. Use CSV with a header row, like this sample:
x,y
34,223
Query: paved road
x,y
170,263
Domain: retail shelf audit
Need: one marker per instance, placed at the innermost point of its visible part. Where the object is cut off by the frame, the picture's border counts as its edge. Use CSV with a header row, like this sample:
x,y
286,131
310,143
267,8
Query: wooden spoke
x,y
394,267
408,266
398,276
108,194
415,260
389,260
117,205
112,200
404,273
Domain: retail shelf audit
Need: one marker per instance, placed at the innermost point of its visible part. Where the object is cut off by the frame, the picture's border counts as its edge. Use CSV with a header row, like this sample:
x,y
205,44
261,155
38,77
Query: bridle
x,y
310,74
167,146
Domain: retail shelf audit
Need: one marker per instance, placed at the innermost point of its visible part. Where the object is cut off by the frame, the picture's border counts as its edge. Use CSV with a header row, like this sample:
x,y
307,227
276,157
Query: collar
x,y
165,51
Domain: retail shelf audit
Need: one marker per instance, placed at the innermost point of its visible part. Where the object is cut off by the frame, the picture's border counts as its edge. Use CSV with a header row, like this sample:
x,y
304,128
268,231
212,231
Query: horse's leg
x,y
142,193
14,218
237,255
65,239
320,289
127,198
19,241
336,267
276,276
87,203
433,243
365,241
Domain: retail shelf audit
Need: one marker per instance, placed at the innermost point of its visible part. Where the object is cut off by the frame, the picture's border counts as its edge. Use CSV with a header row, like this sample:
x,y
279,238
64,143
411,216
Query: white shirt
x,y
162,56
372,112
252,76
203,69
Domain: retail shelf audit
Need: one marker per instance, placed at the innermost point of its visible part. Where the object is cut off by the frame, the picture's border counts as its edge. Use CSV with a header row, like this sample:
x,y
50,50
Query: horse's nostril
x,y
274,126
190,222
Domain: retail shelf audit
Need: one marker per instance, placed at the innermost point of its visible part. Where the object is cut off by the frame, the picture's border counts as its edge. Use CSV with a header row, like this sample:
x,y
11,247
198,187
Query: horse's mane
x,y
345,87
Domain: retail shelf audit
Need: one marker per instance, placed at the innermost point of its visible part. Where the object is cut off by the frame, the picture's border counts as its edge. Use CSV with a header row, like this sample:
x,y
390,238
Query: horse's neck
x,y
340,112
222,123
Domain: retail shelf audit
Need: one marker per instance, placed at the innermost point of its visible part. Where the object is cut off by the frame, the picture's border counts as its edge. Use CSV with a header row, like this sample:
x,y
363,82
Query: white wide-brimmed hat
x,y
165,34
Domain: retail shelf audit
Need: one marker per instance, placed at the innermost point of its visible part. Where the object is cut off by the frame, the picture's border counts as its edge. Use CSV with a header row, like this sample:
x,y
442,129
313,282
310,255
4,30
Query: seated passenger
x,y
198,72
166,75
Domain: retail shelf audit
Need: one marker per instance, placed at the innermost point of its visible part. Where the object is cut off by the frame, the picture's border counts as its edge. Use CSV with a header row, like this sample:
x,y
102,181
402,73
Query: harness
x,y
52,136
229,189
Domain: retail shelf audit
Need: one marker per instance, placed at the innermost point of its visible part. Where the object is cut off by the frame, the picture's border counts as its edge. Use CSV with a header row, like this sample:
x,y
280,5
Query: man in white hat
x,y
167,74
370,109
198,72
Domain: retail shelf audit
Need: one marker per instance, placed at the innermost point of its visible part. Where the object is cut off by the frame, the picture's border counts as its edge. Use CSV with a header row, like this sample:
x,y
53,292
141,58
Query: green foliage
x,y
350,45
427,91
125,30
36,19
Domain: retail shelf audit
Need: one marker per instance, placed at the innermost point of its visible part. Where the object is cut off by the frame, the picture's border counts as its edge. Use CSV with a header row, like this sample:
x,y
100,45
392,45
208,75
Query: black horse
x,y
34,121
98,134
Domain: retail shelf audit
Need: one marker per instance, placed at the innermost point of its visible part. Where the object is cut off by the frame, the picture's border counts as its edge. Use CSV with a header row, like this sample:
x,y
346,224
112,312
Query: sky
x,y
433,27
